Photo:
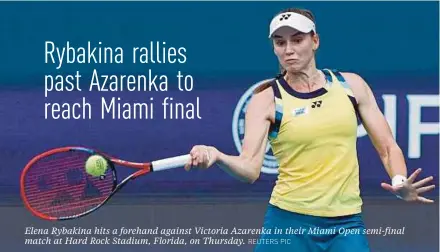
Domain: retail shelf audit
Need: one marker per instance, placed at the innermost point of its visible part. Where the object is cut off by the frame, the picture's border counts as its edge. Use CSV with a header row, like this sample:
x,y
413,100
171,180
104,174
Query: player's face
x,y
294,49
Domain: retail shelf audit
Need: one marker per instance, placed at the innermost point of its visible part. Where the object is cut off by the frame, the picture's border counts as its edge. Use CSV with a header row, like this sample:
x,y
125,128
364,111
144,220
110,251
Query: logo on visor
x,y
270,164
285,17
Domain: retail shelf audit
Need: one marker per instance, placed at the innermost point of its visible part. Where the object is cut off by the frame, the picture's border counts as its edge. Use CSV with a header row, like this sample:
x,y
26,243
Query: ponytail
x,y
268,83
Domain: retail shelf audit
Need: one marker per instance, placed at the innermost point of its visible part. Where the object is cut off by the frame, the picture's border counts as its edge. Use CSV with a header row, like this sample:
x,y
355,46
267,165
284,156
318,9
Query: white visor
x,y
294,20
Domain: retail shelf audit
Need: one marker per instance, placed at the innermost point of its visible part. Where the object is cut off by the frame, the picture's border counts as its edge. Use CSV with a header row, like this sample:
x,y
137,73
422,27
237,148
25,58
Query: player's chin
x,y
294,67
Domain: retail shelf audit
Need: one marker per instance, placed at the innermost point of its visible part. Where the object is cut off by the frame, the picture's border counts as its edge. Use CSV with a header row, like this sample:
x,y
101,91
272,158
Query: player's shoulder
x,y
264,92
355,81
357,84
263,95
352,77
265,86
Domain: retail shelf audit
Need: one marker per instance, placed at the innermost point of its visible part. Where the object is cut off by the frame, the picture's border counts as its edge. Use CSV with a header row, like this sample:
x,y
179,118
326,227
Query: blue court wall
x,y
393,45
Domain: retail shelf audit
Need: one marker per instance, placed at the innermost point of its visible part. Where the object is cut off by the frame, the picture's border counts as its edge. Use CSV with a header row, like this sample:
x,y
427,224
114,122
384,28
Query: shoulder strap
x,y
328,77
275,127
348,91
344,84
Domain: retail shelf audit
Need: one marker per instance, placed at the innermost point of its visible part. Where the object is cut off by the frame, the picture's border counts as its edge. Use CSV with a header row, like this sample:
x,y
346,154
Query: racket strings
x,y
58,185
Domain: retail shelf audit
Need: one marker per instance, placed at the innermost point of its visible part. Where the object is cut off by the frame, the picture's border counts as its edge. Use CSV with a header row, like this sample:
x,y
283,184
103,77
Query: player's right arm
x,y
247,166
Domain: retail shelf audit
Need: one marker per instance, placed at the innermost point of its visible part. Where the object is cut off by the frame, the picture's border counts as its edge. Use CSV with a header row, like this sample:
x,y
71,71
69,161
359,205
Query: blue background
x,y
394,46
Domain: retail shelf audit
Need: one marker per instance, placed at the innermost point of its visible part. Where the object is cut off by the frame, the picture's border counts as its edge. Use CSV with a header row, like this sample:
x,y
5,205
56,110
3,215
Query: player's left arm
x,y
385,144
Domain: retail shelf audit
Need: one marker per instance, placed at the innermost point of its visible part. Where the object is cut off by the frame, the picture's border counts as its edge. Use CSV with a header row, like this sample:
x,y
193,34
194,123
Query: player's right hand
x,y
202,156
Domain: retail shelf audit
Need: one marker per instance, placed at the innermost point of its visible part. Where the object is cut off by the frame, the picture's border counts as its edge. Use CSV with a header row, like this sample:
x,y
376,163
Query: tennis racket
x,y
55,185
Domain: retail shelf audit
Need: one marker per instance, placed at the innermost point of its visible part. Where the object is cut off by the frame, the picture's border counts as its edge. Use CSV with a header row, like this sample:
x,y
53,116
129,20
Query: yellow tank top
x,y
314,140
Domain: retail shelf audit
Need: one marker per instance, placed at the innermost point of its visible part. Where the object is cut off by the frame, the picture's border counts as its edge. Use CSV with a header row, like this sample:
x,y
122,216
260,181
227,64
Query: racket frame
x,y
143,168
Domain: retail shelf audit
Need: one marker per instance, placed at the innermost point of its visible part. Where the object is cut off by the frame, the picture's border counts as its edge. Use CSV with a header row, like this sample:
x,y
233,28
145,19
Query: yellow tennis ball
x,y
96,165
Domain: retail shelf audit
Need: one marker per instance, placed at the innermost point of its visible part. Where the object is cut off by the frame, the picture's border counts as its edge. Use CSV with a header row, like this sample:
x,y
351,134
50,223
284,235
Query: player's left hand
x,y
411,190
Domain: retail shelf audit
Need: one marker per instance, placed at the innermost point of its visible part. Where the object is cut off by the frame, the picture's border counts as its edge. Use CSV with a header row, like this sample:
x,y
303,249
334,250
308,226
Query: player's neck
x,y
306,80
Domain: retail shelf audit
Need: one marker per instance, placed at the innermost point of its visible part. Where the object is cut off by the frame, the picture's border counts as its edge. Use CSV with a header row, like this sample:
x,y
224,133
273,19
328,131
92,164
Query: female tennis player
x,y
310,118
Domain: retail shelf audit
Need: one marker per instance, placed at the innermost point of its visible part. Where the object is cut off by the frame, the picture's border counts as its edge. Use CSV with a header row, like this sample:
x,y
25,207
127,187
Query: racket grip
x,y
170,163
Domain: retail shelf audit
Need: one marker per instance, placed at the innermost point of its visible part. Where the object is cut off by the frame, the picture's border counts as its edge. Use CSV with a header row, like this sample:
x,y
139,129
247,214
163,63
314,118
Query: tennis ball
x,y
96,165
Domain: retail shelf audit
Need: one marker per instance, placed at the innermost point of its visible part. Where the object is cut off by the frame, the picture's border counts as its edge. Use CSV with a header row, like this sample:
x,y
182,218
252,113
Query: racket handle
x,y
170,163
